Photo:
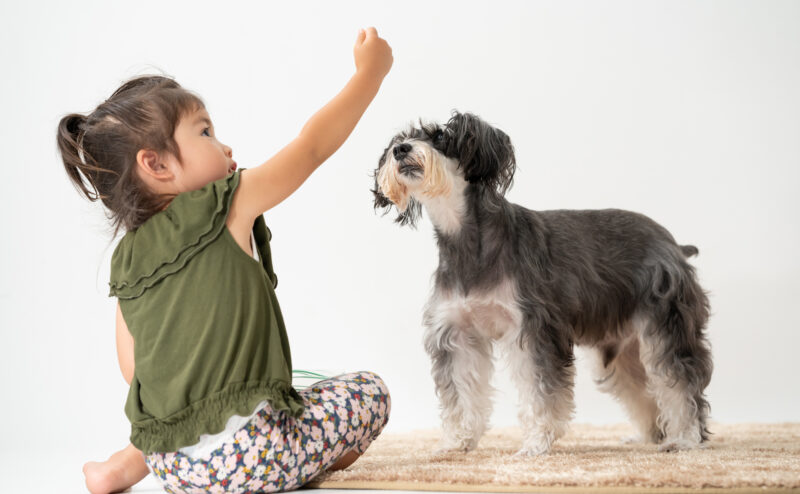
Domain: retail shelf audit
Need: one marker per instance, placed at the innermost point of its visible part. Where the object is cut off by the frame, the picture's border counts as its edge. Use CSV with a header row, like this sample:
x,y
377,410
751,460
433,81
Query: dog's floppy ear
x,y
484,153
380,200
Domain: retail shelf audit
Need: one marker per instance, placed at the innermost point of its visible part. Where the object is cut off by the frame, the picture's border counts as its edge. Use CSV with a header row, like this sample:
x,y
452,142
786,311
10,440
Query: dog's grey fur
x,y
540,282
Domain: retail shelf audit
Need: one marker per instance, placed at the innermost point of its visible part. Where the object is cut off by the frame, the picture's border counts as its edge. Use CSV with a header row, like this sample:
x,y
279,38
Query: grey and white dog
x,y
539,282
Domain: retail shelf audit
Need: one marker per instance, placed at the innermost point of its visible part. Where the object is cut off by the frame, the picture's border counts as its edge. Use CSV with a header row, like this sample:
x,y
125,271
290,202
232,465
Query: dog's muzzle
x,y
406,165
410,169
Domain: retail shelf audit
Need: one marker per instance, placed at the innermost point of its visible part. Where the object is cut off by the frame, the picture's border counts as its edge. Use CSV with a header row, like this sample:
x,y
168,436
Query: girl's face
x,y
203,158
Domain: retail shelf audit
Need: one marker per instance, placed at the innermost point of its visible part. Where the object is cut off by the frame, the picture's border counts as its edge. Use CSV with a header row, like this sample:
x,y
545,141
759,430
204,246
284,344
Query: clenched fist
x,y
372,54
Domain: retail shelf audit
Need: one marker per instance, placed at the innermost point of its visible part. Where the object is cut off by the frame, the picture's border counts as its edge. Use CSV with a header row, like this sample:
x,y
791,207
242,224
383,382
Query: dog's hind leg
x,y
462,368
542,366
677,356
617,370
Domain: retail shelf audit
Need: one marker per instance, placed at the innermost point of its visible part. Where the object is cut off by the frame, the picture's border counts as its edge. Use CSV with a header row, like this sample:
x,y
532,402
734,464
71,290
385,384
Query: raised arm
x,y
263,187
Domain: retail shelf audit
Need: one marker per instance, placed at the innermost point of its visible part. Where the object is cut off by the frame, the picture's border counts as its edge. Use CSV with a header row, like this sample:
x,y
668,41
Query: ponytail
x,y
80,166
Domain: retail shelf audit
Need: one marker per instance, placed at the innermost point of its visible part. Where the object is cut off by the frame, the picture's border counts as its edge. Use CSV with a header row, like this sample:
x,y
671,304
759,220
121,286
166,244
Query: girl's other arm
x,y
126,467
263,187
124,347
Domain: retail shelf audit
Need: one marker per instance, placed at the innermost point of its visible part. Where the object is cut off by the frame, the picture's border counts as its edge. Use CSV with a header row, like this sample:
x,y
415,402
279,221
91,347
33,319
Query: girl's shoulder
x,y
164,243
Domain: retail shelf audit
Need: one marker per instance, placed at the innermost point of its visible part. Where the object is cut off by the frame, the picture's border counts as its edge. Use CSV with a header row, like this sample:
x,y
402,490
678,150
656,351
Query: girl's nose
x,y
228,151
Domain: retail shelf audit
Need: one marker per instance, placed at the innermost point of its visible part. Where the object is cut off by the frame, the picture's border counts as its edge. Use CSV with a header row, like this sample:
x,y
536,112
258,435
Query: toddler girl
x,y
200,337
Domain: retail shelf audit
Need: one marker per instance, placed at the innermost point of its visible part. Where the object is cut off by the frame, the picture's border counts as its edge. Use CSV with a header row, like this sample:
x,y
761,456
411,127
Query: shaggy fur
x,y
537,283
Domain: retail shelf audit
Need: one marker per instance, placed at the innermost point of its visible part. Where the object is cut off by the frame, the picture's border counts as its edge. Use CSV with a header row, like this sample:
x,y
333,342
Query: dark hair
x,y
99,150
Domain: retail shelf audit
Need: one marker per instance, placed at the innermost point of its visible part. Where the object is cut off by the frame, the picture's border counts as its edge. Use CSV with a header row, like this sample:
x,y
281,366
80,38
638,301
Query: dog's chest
x,y
492,313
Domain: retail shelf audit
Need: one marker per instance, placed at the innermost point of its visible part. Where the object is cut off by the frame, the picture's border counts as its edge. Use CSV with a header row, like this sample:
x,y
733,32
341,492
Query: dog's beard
x,y
399,188
391,186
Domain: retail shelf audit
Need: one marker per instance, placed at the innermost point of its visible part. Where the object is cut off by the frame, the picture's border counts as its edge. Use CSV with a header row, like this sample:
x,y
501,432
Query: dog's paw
x,y
531,452
444,451
448,447
632,440
534,447
653,436
670,445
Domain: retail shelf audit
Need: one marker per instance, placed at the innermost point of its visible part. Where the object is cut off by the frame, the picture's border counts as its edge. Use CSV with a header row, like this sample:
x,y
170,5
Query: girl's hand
x,y
373,54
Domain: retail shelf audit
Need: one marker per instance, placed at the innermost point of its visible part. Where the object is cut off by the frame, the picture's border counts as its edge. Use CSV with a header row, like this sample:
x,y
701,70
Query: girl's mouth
x,y
233,167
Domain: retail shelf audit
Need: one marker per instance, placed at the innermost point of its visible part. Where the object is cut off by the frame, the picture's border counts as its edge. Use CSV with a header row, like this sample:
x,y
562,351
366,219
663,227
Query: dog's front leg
x,y
462,368
541,362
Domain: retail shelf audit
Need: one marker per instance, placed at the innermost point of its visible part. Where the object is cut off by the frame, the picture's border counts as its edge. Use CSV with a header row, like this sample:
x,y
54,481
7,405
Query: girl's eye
x,y
206,132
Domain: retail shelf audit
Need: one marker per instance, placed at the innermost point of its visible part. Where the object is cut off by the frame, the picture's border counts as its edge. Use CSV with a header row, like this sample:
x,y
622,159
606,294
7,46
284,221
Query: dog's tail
x,y
689,250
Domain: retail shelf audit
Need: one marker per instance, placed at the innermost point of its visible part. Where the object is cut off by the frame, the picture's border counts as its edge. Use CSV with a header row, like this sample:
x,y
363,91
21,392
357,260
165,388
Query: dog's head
x,y
423,161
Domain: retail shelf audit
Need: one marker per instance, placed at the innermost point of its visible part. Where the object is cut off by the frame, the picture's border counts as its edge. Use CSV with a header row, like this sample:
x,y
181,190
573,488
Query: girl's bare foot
x,y
101,478
345,461
122,470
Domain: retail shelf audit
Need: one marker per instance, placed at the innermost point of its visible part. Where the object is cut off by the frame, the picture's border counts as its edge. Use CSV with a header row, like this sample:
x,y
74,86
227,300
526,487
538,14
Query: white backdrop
x,y
688,112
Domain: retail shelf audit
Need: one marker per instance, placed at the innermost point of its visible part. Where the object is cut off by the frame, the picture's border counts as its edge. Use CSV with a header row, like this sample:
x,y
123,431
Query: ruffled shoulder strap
x,y
163,244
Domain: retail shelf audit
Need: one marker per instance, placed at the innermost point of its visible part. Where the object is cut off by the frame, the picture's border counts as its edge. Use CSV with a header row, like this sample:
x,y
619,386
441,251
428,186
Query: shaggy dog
x,y
539,282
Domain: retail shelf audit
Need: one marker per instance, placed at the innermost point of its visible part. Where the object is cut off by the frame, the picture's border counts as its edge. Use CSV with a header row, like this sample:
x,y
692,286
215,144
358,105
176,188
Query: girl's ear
x,y
152,164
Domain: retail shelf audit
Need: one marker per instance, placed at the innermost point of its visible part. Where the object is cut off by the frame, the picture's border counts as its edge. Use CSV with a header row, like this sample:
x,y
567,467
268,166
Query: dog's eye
x,y
438,137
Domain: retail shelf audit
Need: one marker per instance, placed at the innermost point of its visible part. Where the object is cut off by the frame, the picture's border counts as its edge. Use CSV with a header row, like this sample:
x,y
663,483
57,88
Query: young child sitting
x,y
200,337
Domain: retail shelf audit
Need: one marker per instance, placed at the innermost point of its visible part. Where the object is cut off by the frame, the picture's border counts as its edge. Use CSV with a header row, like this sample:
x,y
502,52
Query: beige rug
x,y
738,458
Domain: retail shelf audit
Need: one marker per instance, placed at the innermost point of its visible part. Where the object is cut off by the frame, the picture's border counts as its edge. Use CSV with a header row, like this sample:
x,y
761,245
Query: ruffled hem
x,y
192,220
210,415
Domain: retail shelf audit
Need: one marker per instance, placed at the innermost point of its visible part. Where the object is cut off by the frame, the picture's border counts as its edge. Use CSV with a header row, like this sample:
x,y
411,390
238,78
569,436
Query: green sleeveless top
x,y
210,341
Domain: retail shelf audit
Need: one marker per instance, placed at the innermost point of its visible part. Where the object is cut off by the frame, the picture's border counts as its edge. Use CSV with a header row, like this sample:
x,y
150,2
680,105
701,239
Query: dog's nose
x,y
401,150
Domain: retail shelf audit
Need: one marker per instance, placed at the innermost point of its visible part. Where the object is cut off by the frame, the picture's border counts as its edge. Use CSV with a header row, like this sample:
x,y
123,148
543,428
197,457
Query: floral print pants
x,y
275,452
